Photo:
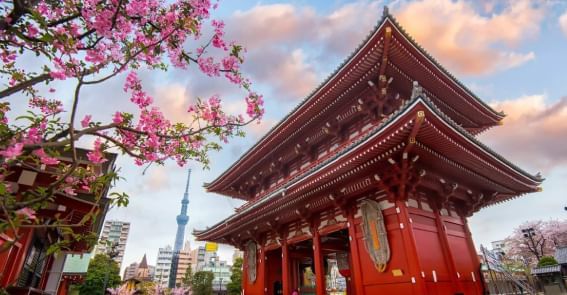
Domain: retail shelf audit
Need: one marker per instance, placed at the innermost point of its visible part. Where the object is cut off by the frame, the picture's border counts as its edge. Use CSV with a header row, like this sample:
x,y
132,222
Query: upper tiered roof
x,y
387,51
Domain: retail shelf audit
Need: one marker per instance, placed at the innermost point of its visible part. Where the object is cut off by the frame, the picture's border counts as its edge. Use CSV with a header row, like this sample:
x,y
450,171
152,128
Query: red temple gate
x,y
390,129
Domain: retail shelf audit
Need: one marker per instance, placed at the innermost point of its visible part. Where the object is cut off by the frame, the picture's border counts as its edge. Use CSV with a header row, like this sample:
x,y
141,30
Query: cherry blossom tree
x,y
85,43
535,239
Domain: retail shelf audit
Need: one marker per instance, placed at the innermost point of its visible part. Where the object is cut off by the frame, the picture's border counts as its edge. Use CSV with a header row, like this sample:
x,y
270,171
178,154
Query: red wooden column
x,y
286,286
318,261
442,234
262,269
244,270
354,255
410,248
12,272
472,250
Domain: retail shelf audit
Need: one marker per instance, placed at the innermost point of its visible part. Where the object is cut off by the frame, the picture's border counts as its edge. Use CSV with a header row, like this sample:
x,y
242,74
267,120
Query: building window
x,y
33,265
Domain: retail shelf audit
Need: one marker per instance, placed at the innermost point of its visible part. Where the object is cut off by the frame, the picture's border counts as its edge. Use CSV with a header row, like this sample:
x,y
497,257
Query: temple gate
x,y
366,186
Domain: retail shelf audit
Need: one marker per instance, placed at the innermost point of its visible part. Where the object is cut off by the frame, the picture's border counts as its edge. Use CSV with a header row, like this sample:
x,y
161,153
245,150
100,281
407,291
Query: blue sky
x,y
512,54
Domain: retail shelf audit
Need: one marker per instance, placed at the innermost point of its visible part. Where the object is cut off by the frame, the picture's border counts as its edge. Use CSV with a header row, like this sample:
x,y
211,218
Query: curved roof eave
x,y
404,110
386,16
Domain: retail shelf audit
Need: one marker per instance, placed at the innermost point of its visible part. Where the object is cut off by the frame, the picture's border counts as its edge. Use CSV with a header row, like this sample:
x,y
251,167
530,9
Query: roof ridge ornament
x,y
386,11
416,91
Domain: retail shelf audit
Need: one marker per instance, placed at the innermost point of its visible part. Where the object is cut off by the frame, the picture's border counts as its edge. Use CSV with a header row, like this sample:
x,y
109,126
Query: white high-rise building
x,y
164,261
163,266
114,232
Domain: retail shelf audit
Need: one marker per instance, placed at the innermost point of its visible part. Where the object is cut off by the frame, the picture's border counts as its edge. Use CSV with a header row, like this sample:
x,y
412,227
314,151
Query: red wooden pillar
x,y
354,255
318,261
410,248
262,269
472,250
63,286
245,271
447,254
286,287
12,272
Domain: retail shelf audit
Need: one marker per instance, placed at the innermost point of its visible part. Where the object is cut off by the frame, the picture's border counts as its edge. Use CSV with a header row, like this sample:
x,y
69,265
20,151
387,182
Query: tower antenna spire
x,y
182,220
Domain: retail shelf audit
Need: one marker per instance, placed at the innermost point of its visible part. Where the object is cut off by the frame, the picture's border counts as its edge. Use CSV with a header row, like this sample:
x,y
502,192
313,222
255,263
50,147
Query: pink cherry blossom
x,y
12,151
117,118
86,121
27,213
96,156
44,158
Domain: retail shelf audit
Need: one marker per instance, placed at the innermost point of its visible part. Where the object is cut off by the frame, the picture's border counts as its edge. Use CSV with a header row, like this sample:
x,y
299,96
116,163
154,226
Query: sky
x,y
512,54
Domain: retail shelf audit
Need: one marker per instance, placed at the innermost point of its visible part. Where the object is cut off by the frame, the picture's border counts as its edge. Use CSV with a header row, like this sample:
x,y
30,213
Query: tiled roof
x,y
391,118
385,16
561,255
546,269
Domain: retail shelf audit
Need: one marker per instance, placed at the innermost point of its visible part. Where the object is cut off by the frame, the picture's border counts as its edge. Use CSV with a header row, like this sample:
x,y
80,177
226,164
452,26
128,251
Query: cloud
x,y
563,22
158,178
289,75
257,130
467,41
533,134
282,39
173,100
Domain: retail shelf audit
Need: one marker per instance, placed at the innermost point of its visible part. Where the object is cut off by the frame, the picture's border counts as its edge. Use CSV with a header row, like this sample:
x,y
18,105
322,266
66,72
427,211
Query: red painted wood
x,y
63,286
354,255
245,271
318,261
410,249
286,286
478,286
13,271
45,272
447,252
262,270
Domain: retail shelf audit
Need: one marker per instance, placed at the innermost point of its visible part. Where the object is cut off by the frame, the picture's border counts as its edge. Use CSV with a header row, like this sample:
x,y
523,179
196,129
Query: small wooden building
x,y
26,267
366,186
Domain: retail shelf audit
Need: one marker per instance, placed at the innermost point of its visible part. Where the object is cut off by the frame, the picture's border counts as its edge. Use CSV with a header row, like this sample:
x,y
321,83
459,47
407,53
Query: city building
x,y
114,232
185,261
221,271
202,258
21,272
130,271
380,164
182,220
163,266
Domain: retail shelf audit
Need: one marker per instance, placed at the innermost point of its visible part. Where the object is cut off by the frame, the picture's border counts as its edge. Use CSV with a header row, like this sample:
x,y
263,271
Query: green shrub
x,y
547,260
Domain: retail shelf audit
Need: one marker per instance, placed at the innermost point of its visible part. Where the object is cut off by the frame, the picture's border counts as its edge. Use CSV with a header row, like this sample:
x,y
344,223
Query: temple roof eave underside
x,y
479,166
461,96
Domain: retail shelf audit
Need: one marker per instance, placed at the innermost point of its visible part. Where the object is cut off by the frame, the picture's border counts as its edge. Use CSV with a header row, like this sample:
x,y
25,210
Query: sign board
x,y
211,247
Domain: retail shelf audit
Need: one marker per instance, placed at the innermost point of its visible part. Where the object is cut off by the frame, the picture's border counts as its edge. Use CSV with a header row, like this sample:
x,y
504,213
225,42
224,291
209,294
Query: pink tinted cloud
x,y
277,36
563,23
469,42
533,134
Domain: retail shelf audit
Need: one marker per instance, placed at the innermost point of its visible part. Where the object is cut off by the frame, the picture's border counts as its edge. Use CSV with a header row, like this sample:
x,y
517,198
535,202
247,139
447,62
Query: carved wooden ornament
x,y
251,255
375,235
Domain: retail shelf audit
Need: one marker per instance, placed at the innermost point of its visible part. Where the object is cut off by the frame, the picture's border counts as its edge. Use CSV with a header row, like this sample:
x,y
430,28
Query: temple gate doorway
x,y
274,272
